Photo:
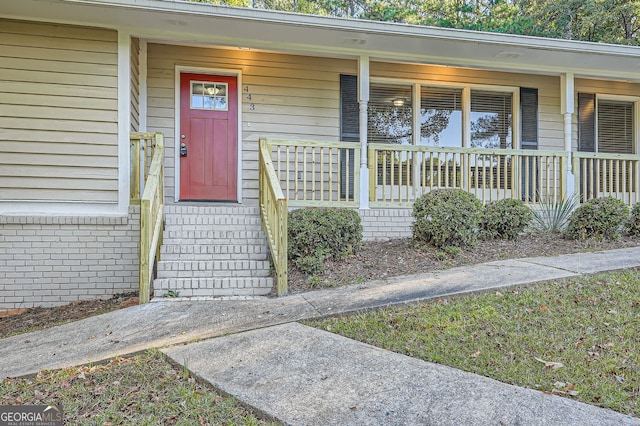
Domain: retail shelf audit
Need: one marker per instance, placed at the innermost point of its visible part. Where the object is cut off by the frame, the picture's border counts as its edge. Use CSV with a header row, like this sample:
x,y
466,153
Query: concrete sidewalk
x,y
304,376
171,322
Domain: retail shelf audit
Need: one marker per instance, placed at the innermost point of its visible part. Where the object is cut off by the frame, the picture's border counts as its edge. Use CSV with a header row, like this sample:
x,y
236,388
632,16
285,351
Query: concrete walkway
x,y
306,376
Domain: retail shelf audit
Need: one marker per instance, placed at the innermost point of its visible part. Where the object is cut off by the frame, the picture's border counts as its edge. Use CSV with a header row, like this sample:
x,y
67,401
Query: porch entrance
x,y
208,137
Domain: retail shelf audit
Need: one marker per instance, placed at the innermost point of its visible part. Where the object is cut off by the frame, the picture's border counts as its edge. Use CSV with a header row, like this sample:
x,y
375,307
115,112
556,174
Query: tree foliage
x,y
610,21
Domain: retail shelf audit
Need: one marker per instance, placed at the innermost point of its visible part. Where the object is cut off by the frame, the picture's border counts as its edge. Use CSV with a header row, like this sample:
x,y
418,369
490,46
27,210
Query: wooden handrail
x,y
148,148
274,214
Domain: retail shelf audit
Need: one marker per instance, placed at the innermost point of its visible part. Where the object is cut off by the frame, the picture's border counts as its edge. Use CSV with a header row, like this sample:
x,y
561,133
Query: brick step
x,y
240,211
170,257
214,287
213,236
214,252
212,221
213,268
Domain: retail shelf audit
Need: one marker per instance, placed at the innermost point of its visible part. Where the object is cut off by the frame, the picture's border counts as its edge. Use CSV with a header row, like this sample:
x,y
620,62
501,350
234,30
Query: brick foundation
x,y
386,223
54,260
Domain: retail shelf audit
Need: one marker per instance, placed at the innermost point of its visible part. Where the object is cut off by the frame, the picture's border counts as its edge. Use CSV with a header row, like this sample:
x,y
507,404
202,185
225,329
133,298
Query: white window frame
x,y
466,104
636,117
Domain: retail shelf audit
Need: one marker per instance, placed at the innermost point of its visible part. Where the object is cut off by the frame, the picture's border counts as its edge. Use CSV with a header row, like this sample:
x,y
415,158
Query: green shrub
x,y
633,226
317,234
446,217
598,218
505,219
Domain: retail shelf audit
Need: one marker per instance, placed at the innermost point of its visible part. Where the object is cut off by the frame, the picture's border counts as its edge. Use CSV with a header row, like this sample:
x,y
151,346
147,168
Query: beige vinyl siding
x,y
58,113
135,84
293,97
550,122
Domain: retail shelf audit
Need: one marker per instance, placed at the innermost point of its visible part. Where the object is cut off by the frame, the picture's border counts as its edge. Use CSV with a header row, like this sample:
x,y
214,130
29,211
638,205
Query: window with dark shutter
x,y
349,132
529,118
529,140
349,109
586,122
615,126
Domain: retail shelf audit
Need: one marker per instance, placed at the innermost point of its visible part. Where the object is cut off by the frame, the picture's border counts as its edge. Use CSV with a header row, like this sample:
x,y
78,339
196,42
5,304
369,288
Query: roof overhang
x,y
196,23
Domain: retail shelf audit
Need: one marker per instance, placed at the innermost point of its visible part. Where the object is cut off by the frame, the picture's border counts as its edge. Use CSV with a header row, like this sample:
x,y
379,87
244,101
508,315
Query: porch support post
x,y
363,100
567,106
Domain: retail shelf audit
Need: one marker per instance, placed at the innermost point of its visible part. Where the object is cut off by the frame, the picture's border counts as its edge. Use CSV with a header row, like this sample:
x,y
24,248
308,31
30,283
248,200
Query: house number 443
x,y
252,107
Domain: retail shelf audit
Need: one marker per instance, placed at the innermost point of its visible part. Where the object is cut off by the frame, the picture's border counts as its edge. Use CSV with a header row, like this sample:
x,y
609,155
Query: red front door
x,y
208,137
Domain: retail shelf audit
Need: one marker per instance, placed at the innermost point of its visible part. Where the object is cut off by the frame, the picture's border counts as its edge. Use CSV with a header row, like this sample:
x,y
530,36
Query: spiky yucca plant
x,y
550,216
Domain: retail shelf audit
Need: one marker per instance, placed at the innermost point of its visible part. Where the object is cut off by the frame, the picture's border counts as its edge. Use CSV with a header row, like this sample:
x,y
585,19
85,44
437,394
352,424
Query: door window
x,y
208,95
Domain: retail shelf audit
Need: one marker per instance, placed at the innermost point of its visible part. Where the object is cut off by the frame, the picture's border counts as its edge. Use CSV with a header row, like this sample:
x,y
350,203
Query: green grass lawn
x,y
577,338
142,390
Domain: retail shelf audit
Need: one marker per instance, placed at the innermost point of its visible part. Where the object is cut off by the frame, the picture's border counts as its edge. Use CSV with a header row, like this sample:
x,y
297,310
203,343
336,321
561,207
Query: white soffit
x,y
195,23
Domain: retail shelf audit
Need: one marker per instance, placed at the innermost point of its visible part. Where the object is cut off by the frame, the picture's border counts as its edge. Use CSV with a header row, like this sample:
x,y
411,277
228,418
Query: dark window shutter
x,y
529,140
529,118
349,132
349,109
587,122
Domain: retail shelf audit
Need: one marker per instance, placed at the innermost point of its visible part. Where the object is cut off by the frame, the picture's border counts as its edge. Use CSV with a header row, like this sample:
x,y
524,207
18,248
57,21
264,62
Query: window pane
x,y
390,114
615,127
491,119
441,117
208,95
196,95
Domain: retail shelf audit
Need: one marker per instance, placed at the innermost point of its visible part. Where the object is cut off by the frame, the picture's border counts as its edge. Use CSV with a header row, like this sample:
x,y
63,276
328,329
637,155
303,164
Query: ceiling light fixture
x,y
398,102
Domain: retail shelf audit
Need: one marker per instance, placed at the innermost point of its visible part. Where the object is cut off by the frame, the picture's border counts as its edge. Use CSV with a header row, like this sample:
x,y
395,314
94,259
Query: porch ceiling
x,y
194,23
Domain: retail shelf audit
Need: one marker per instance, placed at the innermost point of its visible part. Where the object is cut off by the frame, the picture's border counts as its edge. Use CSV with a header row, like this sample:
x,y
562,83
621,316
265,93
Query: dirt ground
x,y
400,257
376,260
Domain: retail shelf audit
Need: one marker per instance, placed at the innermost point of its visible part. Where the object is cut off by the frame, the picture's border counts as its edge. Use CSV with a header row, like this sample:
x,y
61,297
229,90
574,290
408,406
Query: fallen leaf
x,y
475,354
550,364
543,308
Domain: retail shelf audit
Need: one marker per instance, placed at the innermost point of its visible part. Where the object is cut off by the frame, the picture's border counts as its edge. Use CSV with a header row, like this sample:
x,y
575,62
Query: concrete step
x,y
213,287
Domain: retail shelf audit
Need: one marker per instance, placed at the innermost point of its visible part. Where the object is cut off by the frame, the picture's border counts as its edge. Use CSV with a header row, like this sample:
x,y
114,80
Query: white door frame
x,y
212,71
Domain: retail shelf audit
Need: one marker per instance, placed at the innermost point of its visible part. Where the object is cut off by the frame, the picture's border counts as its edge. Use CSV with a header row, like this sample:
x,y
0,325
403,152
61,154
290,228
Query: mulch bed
x,y
383,259
376,260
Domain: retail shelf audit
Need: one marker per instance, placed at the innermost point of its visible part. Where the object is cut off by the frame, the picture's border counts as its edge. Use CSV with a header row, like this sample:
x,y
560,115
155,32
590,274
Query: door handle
x,y
183,149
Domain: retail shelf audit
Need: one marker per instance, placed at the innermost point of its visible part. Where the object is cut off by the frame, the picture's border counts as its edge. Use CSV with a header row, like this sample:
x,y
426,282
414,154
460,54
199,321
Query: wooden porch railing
x,y
274,214
607,175
317,173
400,173
147,160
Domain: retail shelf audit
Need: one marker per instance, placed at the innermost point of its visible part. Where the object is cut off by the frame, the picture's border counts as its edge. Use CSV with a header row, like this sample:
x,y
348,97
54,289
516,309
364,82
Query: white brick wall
x,y
386,223
54,260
